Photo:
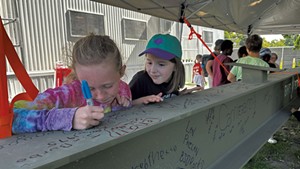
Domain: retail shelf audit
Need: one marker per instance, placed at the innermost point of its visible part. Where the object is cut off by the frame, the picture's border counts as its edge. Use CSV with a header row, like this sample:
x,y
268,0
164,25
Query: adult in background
x,y
219,73
265,54
209,63
273,59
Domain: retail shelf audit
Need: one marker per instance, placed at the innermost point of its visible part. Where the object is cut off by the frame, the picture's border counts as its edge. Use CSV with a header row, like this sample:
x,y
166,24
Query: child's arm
x,y
46,112
26,120
69,95
124,101
208,67
231,77
87,116
124,98
56,119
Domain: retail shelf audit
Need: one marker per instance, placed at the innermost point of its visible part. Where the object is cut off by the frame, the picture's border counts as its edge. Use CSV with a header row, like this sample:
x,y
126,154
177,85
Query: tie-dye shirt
x,y
54,109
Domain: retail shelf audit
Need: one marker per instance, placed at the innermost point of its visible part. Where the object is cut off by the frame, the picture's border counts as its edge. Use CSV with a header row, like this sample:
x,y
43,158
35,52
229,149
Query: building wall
x,y
40,35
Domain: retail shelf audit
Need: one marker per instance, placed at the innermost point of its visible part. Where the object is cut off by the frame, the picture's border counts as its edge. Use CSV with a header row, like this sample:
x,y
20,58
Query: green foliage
x,y
297,43
289,40
237,38
273,43
292,40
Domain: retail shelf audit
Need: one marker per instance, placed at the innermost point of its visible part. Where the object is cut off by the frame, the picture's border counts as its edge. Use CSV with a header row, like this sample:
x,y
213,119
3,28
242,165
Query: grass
x,y
268,152
283,155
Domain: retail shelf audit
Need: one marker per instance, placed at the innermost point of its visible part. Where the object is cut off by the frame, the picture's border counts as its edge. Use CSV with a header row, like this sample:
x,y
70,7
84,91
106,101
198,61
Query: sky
x,y
272,37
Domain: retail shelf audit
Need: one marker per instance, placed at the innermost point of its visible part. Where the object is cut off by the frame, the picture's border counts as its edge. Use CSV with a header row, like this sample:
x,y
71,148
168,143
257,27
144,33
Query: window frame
x,y
69,19
123,22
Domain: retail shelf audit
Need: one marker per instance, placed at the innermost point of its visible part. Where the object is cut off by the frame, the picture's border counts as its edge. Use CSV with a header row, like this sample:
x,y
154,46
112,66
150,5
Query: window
x,y
81,24
165,26
134,30
208,37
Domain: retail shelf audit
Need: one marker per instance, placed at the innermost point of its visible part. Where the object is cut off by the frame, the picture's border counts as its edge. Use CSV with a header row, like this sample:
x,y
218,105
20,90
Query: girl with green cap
x,y
164,72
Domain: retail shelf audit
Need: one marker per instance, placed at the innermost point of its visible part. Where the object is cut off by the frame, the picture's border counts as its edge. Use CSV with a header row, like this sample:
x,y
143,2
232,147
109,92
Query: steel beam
x,y
222,127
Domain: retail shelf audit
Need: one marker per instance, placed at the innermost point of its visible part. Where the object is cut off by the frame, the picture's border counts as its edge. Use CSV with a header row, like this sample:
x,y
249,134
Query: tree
x,y
297,42
289,40
273,43
237,38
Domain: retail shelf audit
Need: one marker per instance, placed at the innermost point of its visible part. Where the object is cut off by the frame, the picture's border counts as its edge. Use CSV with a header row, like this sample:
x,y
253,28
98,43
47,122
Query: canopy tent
x,y
242,16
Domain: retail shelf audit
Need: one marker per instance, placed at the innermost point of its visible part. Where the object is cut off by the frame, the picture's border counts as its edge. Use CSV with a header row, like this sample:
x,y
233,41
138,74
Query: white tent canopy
x,y
242,16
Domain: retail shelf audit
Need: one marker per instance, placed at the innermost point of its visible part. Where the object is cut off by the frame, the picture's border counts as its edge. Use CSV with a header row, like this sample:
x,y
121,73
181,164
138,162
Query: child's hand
x,y
87,117
123,101
148,99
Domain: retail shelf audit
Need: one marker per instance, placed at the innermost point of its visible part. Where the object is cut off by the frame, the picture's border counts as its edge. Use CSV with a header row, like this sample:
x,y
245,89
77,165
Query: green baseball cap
x,y
164,46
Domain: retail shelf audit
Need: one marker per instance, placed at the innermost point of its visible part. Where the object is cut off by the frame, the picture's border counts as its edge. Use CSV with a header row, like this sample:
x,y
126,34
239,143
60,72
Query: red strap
x,y
192,31
18,68
6,110
3,78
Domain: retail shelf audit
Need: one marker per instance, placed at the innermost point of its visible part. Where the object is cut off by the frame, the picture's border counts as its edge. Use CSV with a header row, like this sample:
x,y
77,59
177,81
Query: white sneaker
x,y
272,140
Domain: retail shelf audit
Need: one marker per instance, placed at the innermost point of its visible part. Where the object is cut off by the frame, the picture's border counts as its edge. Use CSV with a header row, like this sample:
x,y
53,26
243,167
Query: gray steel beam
x,y
221,127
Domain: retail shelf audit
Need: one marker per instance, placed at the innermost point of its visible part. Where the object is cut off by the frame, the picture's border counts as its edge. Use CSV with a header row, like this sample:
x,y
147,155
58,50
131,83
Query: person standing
x,y
253,45
198,74
273,59
242,52
211,58
265,54
219,73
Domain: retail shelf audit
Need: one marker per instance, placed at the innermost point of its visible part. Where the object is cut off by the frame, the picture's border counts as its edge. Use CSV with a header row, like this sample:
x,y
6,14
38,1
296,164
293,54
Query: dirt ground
x,y
285,154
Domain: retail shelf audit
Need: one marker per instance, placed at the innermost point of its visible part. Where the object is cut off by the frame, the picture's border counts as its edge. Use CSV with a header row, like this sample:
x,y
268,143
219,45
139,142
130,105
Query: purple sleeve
x,y
51,110
69,95
42,120
54,109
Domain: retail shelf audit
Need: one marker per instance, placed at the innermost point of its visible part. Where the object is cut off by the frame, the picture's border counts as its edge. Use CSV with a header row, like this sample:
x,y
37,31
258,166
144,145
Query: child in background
x,y
209,63
219,73
198,74
253,45
164,72
242,52
95,59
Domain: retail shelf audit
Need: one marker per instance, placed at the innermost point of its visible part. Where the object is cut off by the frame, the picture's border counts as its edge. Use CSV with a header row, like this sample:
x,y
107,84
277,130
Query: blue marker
x,y
86,93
